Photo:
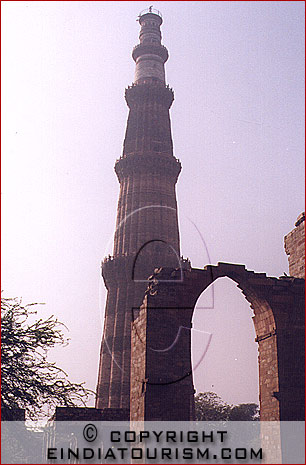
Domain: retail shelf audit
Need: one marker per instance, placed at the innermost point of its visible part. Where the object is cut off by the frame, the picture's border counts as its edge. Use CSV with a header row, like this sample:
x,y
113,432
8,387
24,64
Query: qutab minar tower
x,y
147,234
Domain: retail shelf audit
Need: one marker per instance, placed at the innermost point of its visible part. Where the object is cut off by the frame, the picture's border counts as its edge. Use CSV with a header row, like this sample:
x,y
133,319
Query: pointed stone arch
x,y
162,379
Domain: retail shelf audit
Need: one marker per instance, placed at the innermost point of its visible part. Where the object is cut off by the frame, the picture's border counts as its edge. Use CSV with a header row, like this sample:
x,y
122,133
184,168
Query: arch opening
x,y
230,365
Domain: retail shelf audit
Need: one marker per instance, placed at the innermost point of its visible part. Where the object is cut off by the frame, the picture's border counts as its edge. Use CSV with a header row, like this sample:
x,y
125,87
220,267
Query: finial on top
x,y
150,10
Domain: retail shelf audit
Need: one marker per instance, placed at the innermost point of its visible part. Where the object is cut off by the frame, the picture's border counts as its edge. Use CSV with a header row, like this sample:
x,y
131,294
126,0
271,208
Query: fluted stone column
x,y
147,234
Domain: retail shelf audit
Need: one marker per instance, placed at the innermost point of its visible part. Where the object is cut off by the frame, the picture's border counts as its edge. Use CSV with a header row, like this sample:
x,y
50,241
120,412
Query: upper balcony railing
x,y
150,10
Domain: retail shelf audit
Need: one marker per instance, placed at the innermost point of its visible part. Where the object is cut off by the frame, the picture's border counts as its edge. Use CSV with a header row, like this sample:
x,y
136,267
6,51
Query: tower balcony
x,y
150,49
149,163
149,91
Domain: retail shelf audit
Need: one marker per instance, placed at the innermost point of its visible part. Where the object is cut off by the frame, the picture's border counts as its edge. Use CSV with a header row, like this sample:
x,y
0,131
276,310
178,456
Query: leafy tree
x,y
29,380
244,412
210,407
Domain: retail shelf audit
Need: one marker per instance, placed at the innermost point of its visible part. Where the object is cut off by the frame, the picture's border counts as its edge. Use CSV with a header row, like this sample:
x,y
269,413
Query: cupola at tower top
x,y
150,55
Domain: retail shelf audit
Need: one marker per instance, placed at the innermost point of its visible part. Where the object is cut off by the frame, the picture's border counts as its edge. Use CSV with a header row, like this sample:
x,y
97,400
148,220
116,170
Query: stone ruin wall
x,y
295,248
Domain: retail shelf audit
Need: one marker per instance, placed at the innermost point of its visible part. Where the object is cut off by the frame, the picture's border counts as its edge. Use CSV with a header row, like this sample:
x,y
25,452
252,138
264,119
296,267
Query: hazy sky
x,y
238,129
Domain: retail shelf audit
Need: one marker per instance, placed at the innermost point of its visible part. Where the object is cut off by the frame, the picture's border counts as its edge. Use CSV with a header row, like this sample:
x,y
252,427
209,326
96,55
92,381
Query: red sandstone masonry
x,y
278,305
147,211
295,248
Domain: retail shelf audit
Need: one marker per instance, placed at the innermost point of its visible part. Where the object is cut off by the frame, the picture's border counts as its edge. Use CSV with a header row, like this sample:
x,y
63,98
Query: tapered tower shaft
x,y
147,234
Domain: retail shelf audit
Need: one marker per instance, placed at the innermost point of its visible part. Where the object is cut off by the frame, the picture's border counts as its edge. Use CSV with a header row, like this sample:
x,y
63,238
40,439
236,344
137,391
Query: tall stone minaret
x,y
147,234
